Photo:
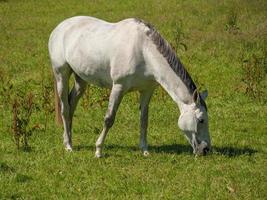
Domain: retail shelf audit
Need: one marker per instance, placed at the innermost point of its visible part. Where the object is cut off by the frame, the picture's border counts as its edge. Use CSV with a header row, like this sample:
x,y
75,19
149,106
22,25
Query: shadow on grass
x,y
175,149
26,149
83,147
224,151
4,168
106,146
22,178
234,151
171,149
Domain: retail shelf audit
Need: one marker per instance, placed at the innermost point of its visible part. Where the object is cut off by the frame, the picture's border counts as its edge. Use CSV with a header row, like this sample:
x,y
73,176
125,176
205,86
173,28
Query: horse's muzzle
x,y
200,148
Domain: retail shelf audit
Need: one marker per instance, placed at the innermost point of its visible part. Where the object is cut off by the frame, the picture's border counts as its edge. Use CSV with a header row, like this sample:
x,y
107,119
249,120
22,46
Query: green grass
x,y
219,36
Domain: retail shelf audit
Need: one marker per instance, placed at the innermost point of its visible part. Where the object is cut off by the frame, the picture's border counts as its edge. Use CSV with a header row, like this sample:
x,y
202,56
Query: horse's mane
x,y
165,49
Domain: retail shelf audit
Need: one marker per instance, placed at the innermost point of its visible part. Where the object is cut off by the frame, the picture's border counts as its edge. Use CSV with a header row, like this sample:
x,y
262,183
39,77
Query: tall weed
x,y
22,108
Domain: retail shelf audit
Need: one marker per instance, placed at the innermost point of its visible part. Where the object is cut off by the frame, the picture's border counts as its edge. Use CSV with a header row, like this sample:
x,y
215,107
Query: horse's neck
x,y
174,87
167,78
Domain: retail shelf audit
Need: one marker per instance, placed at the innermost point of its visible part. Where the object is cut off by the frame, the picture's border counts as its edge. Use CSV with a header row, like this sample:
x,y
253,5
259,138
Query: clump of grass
x,y
254,72
231,25
47,99
95,96
86,99
5,88
47,96
22,108
103,98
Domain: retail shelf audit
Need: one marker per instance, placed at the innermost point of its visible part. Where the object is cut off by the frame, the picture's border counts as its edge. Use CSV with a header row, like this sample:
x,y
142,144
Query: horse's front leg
x,y
145,97
114,102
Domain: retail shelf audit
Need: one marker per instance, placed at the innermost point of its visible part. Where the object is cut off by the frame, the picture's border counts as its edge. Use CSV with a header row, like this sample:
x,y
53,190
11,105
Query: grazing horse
x,y
124,56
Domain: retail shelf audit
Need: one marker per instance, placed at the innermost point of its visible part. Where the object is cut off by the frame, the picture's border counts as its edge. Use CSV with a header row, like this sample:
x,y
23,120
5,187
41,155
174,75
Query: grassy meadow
x,y
223,46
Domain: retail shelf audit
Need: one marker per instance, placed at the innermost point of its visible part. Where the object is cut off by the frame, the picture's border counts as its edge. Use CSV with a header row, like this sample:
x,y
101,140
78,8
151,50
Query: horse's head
x,y
193,121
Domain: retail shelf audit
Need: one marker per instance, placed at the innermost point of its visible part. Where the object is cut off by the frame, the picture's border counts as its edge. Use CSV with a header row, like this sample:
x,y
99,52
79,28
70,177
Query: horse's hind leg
x,y
75,94
145,97
62,75
114,102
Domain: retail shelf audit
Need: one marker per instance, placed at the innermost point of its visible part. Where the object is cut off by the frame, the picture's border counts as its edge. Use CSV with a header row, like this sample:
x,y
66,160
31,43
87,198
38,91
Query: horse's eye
x,y
201,121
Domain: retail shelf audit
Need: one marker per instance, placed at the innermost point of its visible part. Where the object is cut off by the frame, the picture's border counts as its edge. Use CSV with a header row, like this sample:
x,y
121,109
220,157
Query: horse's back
x,y
57,38
96,50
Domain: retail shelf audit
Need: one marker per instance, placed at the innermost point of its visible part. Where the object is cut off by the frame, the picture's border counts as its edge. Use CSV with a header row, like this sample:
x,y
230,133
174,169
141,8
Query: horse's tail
x,y
57,106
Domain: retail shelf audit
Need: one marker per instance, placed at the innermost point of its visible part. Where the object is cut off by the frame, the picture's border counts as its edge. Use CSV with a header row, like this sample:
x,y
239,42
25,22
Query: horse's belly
x,y
97,80
97,74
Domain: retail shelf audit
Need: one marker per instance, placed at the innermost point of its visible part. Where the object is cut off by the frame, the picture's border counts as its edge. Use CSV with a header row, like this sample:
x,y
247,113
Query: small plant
x,y
231,23
179,38
22,110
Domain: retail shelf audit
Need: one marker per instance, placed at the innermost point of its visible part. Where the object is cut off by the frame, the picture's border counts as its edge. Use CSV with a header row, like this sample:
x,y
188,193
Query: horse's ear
x,y
196,98
204,94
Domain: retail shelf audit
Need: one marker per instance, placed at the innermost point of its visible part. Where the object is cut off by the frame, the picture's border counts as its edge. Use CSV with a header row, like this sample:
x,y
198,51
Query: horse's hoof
x,y
68,148
146,153
98,155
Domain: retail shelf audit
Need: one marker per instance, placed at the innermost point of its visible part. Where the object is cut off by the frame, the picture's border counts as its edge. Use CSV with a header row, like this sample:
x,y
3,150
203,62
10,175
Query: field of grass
x,y
223,46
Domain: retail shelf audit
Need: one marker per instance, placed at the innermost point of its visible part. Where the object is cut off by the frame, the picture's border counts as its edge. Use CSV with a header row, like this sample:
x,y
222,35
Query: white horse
x,y
124,56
